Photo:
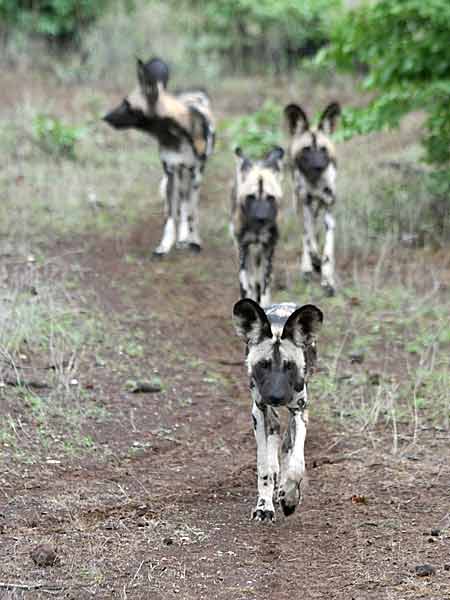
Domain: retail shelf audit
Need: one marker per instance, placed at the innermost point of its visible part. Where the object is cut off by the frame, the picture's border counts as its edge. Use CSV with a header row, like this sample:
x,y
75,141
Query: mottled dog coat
x,y
312,160
255,202
183,127
281,351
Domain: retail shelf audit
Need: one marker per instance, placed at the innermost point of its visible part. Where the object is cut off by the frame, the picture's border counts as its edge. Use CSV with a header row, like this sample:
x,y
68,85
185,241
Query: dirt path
x,y
159,507
172,519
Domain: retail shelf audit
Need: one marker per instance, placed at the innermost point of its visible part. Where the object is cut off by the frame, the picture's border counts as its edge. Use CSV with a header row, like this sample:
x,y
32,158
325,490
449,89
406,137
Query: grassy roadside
x,y
385,349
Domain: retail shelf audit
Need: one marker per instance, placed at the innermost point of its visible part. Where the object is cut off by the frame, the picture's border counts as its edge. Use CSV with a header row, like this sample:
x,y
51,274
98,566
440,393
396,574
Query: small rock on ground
x,y
44,555
424,570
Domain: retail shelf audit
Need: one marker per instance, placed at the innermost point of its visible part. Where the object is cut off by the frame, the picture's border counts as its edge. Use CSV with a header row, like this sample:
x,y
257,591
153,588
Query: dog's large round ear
x,y
296,119
141,72
158,70
243,163
274,159
146,81
329,118
303,325
250,321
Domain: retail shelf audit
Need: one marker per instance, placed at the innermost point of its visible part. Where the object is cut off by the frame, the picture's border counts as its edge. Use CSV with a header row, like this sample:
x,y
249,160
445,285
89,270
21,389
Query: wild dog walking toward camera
x,y
255,201
183,127
312,159
281,352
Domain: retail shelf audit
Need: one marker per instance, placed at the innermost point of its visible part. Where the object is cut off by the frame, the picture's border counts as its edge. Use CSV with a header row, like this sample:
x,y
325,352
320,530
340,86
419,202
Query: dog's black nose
x,y
111,118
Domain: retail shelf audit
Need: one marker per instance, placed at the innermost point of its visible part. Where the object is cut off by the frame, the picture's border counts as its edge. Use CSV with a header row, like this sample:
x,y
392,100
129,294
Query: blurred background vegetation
x,y
397,51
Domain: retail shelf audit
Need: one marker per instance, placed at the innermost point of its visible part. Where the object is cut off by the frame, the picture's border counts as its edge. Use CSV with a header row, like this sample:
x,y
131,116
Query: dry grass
x,y
384,281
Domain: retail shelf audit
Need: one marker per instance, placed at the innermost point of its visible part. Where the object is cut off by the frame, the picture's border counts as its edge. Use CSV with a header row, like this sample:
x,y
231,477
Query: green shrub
x,y
255,35
256,133
60,20
405,48
56,138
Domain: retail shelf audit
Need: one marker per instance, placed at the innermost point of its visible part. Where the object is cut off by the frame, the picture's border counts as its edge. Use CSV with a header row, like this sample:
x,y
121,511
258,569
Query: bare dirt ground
x,y
164,512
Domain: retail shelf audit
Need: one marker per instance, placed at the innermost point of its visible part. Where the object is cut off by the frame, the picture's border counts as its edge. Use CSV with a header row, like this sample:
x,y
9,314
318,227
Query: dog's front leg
x,y
310,254
267,435
244,255
266,274
293,462
171,188
328,255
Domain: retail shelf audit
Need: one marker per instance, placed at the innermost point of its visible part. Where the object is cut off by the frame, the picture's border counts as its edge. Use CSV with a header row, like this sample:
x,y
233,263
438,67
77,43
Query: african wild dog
x,y
313,166
281,351
255,201
183,126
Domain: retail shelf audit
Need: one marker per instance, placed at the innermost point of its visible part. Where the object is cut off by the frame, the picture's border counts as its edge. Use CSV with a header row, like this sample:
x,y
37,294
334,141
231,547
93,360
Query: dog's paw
x,y
195,247
287,508
306,276
264,511
290,497
158,253
262,515
328,289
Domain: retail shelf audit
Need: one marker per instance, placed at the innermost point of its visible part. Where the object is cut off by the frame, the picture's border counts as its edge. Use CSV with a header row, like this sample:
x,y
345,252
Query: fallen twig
x,y
145,387
31,383
30,586
228,363
327,460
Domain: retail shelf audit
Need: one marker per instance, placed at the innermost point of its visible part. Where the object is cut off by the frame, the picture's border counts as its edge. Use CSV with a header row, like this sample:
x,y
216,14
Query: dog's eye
x,y
270,198
249,202
288,366
307,149
265,364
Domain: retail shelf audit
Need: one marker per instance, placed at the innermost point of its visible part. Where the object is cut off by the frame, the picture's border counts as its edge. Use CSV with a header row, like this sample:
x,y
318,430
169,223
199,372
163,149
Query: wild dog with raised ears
x,y
281,352
183,127
312,159
255,201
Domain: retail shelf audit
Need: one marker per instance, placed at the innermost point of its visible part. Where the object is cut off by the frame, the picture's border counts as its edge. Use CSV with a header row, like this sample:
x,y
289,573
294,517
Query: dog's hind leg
x,y
194,224
188,233
184,208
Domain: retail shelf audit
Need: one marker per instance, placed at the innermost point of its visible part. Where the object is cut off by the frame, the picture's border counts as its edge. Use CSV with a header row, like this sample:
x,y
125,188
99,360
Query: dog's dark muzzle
x,y
277,390
261,214
313,165
120,117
